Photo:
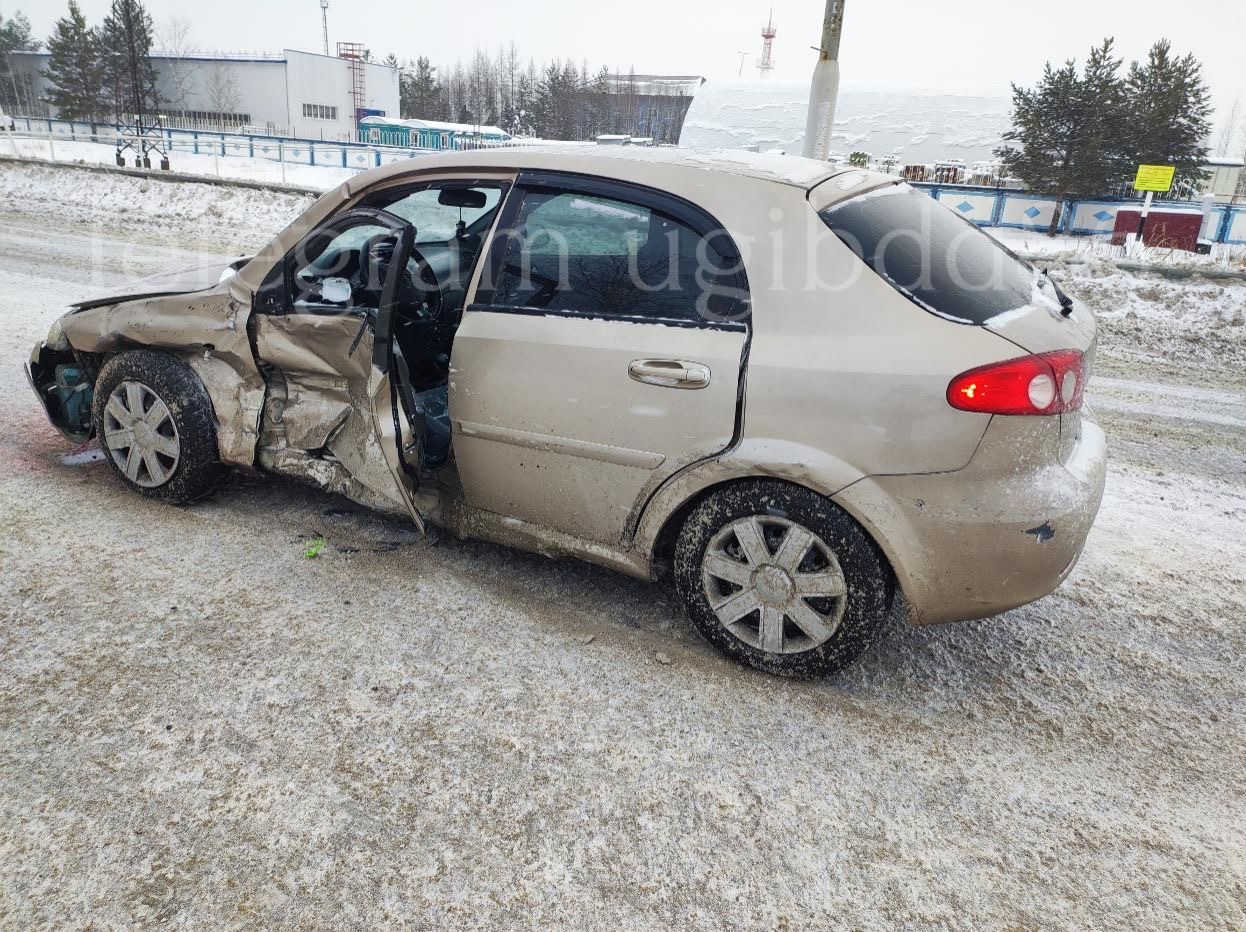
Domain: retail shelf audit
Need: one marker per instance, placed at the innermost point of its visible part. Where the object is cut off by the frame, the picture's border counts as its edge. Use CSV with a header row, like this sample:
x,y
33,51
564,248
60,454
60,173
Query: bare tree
x,y
1233,130
221,89
179,71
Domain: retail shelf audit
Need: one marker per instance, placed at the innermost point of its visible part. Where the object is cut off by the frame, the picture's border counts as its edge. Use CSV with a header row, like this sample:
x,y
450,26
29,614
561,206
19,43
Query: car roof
x,y
652,164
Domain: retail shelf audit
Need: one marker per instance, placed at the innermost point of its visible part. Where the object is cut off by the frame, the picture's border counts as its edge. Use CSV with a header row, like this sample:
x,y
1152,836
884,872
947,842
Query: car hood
x,y
185,281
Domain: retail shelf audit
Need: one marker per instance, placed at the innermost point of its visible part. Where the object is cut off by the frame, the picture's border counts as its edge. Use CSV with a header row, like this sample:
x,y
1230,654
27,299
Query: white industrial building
x,y
303,94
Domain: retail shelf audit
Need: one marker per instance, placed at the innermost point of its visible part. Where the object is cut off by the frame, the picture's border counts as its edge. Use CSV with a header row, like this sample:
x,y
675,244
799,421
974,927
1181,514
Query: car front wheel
x,y
154,421
779,578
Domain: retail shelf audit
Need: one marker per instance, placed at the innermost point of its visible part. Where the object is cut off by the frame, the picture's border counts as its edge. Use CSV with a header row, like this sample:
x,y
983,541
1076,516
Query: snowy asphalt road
x,y
199,725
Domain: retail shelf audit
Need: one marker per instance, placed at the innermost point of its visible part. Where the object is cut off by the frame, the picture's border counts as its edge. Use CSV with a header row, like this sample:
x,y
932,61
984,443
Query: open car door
x,y
322,329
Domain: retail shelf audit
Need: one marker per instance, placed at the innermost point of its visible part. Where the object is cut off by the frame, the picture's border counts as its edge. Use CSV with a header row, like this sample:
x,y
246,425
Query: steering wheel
x,y
419,292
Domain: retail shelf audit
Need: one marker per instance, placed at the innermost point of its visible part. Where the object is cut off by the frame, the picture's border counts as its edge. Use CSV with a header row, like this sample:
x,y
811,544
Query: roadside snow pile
x,y
220,217
1035,245
1150,316
230,166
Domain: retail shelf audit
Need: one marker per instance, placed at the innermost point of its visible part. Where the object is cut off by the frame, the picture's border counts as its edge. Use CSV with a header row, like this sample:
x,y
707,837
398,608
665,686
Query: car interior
x,y
450,220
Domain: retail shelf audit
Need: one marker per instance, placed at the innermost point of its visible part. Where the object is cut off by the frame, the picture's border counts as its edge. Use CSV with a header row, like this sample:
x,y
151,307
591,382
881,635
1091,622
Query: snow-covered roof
x,y
656,85
444,127
467,129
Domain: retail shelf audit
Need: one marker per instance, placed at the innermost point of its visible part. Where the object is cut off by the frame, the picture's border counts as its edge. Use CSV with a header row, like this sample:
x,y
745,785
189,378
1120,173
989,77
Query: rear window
x,y
933,256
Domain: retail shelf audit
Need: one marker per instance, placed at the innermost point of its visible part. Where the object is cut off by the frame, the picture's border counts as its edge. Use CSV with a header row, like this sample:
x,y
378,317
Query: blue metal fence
x,y
324,153
999,207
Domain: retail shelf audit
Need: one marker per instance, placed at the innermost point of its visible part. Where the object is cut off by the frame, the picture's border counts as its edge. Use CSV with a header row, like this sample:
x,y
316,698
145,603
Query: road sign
x,y
1154,178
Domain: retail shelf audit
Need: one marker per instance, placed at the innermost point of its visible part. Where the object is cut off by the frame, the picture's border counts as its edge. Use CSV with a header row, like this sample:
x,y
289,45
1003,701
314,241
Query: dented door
x,y
321,330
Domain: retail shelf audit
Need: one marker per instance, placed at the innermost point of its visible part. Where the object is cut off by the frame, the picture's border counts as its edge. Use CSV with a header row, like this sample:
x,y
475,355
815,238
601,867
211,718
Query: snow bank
x,y
201,217
239,168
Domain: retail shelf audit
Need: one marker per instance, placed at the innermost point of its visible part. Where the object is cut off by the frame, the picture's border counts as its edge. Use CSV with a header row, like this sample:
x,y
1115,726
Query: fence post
x,y
51,148
377,152
1222,235
997,211
251,146
281,157
195,136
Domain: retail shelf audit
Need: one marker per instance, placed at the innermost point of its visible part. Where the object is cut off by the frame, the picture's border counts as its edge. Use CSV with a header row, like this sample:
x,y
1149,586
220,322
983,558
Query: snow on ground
x,y
203,217
239,168
1035,244
1160,304
201,726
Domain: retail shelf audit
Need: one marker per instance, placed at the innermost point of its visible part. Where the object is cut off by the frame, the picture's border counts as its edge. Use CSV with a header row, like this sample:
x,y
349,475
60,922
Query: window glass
x,y
342,268
435,222
936,258
599,256
319,112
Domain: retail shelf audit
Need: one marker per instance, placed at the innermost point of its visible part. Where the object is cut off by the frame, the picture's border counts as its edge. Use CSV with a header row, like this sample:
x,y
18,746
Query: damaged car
x,y
802,392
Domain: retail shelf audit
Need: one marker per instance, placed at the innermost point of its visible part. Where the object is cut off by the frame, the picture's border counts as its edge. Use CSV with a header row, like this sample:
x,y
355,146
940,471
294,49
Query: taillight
x,y
1047,383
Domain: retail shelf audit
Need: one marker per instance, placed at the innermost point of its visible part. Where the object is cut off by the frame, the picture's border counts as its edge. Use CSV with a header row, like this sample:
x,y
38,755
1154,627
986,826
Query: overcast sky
x,y
962,46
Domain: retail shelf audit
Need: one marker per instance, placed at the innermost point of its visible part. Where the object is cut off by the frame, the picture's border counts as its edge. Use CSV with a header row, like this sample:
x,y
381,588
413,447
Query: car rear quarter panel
x,y
842,362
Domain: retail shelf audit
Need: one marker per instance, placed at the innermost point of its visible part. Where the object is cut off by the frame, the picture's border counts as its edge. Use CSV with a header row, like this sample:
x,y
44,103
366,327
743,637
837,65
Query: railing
x,y
1003,207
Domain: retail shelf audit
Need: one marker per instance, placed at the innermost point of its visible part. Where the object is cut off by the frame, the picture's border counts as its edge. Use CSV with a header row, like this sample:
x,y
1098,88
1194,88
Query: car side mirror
x,y
335,291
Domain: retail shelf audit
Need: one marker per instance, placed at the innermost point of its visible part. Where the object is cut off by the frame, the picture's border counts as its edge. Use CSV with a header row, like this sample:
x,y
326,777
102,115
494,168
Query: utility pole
x,y
825,85
324,23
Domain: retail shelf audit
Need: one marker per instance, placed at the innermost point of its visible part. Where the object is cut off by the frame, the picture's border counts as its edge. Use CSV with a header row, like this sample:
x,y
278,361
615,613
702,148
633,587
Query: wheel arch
x,y
793,464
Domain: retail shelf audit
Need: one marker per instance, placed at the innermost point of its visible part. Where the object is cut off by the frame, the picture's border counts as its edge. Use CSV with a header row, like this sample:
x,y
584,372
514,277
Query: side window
x,y
581,254
341,269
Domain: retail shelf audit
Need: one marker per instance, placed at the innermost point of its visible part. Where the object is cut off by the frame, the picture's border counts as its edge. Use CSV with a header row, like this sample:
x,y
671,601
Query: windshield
x,y
435,222
932,255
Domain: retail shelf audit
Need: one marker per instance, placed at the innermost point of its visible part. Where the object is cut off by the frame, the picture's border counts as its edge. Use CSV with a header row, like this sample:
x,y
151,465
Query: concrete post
x,y
824,87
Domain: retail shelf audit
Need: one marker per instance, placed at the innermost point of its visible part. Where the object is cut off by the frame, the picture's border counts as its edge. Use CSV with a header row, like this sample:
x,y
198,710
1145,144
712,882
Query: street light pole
x,y
825,85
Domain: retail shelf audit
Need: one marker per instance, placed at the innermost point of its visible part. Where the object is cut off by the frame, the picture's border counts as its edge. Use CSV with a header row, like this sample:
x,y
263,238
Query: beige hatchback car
x,y
803,388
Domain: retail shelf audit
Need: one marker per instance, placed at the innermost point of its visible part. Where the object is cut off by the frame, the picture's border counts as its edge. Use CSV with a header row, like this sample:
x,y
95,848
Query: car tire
x,y
155,424
810,587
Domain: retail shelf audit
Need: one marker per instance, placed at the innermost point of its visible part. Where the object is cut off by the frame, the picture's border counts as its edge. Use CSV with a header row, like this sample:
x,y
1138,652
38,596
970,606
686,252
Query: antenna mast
x,y
324,23
766,64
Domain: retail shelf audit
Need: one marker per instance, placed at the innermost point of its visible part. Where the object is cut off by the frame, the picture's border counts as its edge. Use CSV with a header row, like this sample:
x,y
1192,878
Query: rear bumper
x,y
981,540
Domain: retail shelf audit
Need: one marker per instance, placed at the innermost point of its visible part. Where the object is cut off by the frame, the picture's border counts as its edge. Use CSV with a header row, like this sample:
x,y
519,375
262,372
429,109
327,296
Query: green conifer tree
x,y
74,68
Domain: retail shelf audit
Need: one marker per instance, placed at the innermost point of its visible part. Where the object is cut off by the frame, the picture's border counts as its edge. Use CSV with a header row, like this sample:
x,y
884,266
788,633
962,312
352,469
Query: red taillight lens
x,y
1047,383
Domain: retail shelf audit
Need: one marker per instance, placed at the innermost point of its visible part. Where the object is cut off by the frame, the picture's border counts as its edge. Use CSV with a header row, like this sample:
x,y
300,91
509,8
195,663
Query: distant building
x,y
427,134
291,93
653,105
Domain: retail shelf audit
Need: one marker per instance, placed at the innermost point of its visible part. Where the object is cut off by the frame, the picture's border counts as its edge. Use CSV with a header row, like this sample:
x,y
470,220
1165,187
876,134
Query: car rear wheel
x,y
781,579
154,422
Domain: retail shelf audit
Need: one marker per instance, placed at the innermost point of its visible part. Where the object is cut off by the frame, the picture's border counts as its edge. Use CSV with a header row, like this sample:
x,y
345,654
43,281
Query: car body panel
x,y
208,330
990,537
550,428
182,281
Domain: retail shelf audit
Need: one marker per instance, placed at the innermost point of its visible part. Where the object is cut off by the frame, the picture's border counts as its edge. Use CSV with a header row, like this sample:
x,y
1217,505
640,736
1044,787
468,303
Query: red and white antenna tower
x,y
766,63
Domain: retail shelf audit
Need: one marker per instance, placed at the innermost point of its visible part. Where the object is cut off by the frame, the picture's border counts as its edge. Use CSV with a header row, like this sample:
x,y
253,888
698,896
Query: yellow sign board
x,y
1154,177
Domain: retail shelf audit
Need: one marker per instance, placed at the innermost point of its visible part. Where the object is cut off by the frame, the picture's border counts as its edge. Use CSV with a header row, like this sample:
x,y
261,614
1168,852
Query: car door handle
x,y
669,373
